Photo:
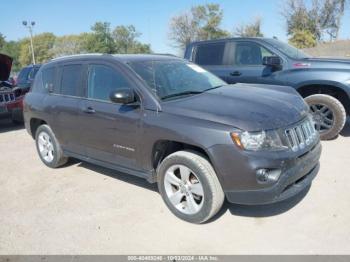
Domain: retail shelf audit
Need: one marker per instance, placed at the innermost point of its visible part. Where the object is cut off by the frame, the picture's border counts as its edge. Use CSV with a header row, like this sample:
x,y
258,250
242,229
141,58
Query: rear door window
x,y
210,54
71,80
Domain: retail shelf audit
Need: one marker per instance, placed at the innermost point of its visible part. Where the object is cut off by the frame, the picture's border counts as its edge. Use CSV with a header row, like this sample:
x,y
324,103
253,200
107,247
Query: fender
x,y
343,87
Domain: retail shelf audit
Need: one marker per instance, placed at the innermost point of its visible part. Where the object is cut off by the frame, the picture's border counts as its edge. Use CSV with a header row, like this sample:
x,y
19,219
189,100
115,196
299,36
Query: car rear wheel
x,y
328,114
48,148
189,186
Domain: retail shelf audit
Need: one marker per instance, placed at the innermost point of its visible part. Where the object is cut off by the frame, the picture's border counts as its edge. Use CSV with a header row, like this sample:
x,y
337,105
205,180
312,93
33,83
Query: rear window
x,y
71,79
210,54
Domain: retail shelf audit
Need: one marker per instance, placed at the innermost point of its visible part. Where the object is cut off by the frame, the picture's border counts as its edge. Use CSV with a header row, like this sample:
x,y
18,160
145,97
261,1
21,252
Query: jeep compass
x,y
173,123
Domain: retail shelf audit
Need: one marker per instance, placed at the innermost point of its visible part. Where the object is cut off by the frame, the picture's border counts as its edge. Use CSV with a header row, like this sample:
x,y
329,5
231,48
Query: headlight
x,y
255,141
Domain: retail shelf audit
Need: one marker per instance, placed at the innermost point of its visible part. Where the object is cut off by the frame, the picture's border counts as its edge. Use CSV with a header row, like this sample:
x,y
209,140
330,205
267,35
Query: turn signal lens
x,y
236,138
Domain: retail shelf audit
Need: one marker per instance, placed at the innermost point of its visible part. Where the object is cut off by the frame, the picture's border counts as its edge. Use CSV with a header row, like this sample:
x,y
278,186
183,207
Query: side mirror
x,y
122,96
273,61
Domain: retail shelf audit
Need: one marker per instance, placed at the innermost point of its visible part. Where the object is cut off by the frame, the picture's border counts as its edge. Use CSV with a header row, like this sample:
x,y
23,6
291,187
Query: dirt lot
x,y
84,209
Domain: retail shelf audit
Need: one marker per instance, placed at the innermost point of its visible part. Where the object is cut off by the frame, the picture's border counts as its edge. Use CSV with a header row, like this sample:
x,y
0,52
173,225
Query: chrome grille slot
x,y
7,97
302,135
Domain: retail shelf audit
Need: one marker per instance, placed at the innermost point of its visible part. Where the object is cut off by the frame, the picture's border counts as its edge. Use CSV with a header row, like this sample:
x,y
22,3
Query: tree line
x,y
308,22
122,39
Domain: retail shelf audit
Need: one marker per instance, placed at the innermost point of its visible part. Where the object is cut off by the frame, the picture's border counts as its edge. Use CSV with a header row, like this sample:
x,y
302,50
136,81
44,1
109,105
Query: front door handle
x,y
89,110
235,73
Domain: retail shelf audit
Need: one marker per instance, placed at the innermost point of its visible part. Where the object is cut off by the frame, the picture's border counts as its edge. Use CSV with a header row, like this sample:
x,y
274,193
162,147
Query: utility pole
x,y
30,28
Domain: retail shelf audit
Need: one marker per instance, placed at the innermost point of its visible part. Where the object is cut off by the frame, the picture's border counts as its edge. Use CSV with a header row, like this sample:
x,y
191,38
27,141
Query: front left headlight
x,y
255,141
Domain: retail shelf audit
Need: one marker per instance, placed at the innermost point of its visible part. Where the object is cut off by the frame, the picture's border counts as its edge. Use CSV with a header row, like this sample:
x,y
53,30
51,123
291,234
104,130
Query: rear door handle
x,y
235,73
89,110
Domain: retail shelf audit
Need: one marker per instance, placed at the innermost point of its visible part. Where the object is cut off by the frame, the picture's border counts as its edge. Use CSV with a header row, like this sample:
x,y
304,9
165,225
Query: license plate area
x,y
3,109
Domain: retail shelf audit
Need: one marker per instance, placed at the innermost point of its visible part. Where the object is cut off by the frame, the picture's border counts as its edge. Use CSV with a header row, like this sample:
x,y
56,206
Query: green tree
x,y
320,18
43,44
2,40
303,39
202,22
208,19
252,29
69,45
100,40
125,40
331,15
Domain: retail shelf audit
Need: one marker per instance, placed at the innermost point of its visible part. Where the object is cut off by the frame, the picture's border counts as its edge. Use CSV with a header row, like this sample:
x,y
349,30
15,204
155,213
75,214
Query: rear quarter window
x,y
210,54
48,79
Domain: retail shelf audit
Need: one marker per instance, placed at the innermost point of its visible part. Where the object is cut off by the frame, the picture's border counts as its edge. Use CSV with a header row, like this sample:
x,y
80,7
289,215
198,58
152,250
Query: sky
x,y
151,18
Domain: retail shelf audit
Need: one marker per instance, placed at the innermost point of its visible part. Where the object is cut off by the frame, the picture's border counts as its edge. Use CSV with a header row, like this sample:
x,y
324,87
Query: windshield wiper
x,y
182,94
215,87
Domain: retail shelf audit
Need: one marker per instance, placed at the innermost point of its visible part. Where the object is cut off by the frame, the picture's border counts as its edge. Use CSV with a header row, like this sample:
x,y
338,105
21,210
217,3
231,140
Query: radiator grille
x,y
301,135
7,97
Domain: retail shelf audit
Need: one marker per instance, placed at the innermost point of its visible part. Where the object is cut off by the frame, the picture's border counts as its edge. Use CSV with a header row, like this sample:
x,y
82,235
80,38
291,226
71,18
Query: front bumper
x,y
297,174
13,109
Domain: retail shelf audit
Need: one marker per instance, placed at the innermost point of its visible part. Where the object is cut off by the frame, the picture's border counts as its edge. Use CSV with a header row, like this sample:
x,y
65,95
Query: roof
x,y
144,57
232,38
31,65
120,57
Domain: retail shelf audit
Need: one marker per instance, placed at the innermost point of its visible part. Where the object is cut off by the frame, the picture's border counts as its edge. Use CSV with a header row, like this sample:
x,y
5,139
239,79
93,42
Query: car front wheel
x,y
189,186
328,114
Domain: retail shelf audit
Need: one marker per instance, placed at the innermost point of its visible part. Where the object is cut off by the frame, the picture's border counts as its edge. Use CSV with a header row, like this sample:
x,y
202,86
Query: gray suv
x,y
173,123
323,82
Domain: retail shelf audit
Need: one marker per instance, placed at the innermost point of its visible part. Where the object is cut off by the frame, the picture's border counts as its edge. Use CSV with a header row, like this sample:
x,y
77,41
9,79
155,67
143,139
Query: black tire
x,y
213,194
337,110
58,158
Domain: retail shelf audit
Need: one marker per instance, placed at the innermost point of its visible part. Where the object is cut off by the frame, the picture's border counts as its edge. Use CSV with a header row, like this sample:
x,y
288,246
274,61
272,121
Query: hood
x,y
5,67
329,63
247,107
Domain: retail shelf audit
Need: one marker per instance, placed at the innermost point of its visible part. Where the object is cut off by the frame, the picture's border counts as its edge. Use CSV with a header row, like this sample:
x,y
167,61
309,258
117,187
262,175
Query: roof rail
x,y
76,55
165,54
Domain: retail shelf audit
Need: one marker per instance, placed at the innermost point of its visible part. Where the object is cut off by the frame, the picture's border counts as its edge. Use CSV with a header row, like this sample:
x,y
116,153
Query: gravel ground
x,y
85,209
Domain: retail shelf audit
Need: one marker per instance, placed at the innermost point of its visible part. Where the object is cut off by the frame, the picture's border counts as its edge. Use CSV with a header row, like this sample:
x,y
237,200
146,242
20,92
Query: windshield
x,y
171,78
287,49
27,74
32,74
23,75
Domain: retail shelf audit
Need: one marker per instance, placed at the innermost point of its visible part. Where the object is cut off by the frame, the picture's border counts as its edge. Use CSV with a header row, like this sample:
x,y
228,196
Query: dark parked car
x,y
171,122
24,81
324,83
10,106
26,76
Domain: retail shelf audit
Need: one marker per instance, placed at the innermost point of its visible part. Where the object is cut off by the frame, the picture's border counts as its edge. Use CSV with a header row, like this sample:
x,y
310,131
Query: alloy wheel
x,y
323,117
184,190
45,146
